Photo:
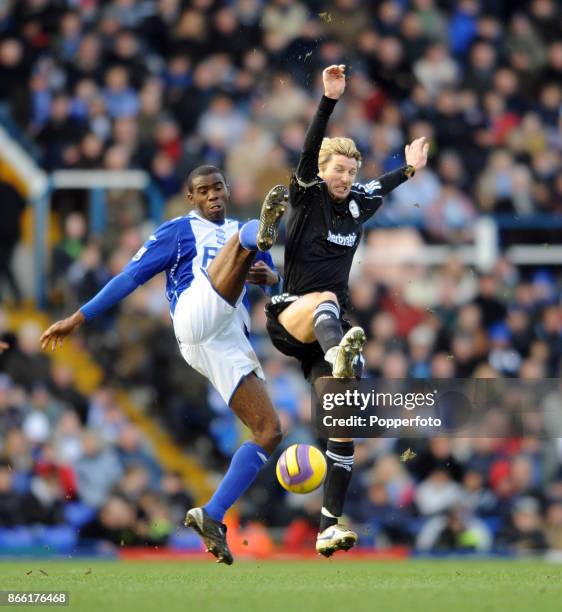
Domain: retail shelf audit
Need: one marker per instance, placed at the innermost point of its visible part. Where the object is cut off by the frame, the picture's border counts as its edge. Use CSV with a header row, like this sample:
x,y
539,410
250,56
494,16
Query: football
x,y
301,468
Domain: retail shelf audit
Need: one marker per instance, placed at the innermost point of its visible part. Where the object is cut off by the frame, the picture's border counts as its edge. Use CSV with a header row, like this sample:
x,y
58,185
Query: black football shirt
x,y
323,234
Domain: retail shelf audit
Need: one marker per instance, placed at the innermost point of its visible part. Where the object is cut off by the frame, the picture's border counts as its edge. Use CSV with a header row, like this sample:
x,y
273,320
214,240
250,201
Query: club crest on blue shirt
x,y
354,209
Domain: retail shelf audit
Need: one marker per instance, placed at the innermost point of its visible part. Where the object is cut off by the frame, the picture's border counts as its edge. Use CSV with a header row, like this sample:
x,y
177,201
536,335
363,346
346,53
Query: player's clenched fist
x,y
333,78
261,274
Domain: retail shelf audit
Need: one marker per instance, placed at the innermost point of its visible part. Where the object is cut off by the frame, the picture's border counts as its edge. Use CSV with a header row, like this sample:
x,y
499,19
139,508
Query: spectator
x,y
222,121
283,19
134,482
437,493
177,496
104,415
42,414
10,501
115,523
63,388
493,311
14,72
97,471
44,504
68,250
131,452
525,532
60,134
436,69
25,362
12,207
67,438
11,414
120,98
455,531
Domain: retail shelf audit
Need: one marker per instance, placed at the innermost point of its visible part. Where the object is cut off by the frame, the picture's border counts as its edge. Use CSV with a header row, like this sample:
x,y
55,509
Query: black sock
x,y
327,326
339,457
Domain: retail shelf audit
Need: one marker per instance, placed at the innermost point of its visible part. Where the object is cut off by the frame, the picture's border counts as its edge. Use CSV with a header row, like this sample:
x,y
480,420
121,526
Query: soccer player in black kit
x,y
324,226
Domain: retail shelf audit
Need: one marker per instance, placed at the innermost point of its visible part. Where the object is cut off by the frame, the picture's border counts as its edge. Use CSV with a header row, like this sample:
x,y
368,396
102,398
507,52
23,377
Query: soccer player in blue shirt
x,y
208,259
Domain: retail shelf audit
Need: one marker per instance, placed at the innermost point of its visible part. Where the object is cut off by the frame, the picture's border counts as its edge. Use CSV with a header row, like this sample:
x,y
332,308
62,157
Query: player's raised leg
x,y
249,400
252,406
316,316
228,271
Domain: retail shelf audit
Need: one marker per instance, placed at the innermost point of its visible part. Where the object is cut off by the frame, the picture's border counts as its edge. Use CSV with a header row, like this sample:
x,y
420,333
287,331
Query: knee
x,y
269,437
325,296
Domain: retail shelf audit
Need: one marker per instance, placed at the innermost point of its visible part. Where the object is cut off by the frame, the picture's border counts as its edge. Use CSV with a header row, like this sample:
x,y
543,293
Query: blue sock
x,y
248,235
244,467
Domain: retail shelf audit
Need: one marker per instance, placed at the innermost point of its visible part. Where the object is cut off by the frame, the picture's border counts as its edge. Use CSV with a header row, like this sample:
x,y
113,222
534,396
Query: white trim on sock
x,y
327,307
340,458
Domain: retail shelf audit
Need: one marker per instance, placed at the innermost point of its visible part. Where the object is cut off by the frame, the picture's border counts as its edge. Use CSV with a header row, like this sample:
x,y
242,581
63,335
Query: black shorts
x,y
309,354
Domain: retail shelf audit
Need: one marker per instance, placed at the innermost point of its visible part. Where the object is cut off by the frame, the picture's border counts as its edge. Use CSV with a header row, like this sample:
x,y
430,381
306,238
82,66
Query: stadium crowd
x,y
164,86
75,464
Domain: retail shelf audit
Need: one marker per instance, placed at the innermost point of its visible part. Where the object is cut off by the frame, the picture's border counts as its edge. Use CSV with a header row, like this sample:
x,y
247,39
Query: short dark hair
x,y
202,171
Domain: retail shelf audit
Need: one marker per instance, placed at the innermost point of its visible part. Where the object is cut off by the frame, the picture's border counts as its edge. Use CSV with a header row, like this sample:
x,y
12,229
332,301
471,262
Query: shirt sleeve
x,y
386,183
116,289
370,195
157,253
307,169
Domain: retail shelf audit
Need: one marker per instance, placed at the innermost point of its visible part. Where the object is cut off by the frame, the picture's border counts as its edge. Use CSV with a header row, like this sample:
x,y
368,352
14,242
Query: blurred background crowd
x,y
165,85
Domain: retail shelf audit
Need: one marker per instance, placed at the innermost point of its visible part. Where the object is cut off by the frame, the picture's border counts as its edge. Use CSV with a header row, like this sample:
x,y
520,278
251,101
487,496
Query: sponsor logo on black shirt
x,y
347,240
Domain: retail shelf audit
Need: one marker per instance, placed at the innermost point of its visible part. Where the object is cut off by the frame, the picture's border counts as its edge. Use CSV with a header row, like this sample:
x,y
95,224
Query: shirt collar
x,y
194,213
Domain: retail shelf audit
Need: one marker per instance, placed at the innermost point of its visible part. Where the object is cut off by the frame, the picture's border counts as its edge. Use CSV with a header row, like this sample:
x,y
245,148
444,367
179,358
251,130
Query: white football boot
x,y
334,538
348,350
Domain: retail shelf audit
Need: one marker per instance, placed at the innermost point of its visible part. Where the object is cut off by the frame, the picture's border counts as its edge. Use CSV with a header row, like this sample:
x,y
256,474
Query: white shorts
x,y
210,334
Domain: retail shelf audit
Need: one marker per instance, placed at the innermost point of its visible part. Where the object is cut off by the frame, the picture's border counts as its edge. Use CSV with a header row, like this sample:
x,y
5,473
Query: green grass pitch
x,y
315,585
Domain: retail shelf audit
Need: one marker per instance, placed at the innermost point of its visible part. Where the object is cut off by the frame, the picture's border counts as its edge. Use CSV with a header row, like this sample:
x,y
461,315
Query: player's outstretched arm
x,y
416,158
153,257
333,79
4,346
113,292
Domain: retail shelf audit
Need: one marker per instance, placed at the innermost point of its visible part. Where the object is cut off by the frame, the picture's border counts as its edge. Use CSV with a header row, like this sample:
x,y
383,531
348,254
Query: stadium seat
x,y
185,539
414,524
16,537
60,538
493,523
21,481
78,514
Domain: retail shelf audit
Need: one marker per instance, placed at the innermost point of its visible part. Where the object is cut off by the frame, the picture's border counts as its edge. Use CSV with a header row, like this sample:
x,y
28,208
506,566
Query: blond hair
x,y
337,146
